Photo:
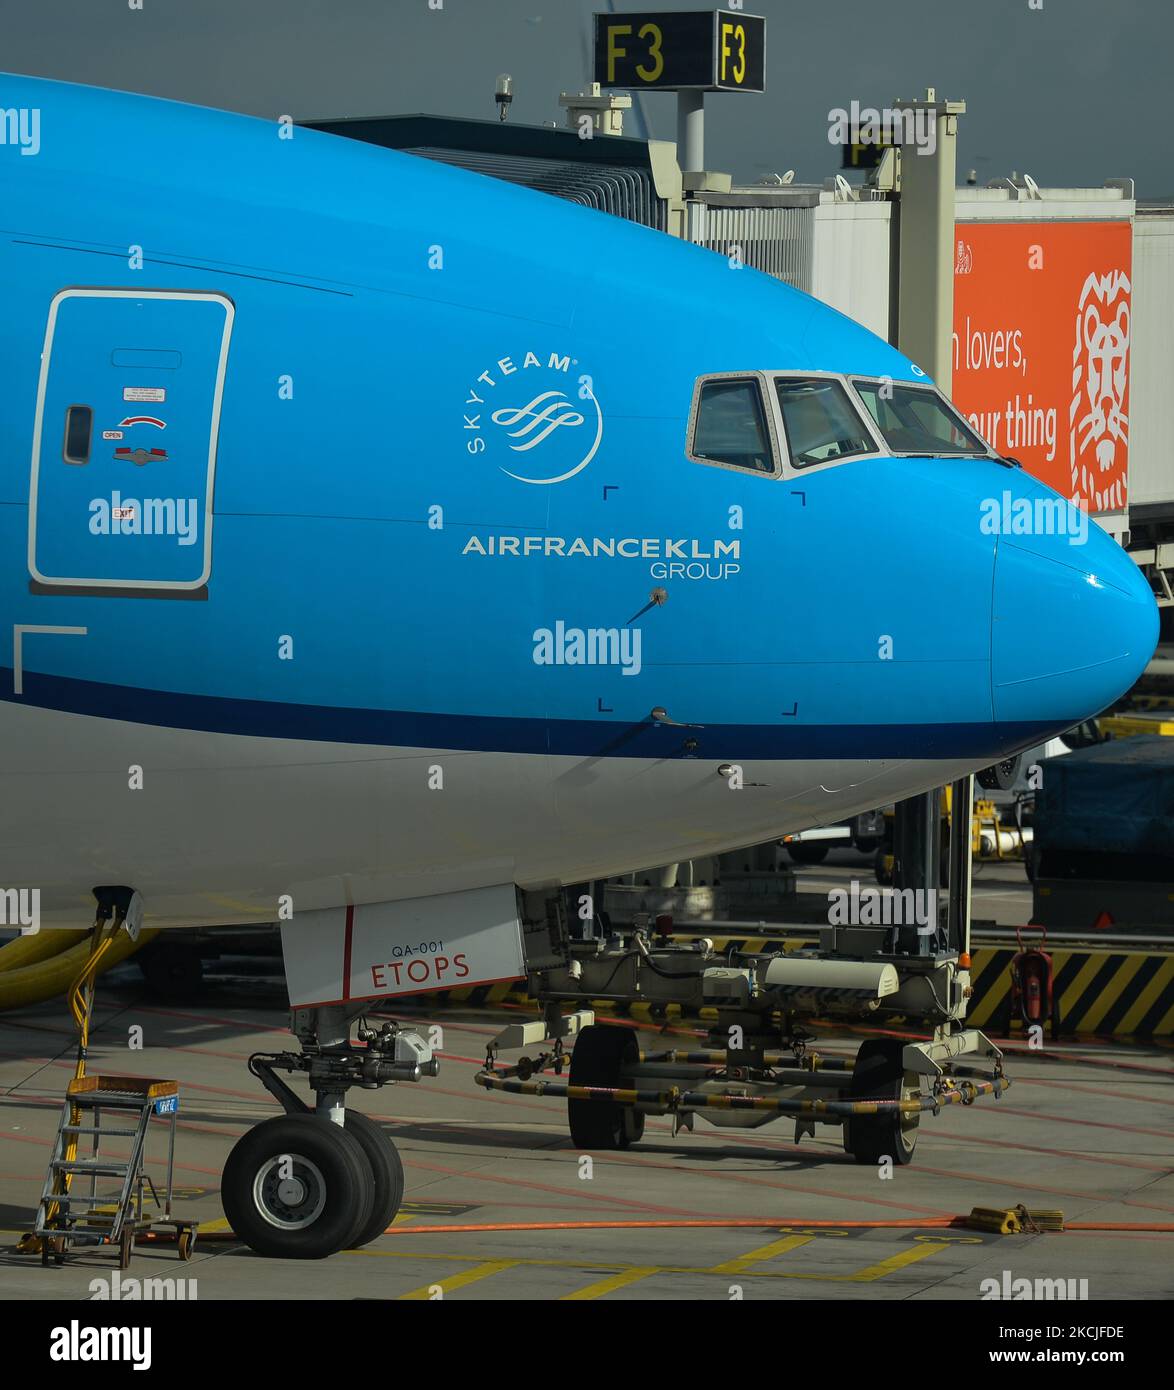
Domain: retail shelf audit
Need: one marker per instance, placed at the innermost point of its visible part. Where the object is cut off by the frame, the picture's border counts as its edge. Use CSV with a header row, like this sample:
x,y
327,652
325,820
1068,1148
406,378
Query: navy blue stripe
x,y
493,734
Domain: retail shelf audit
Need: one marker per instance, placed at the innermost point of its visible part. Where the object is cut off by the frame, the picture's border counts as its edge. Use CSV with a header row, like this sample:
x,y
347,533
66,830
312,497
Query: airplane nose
x,y
1073,624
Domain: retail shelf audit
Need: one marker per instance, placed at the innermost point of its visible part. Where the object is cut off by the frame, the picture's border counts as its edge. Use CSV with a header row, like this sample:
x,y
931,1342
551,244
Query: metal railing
x,y
769,235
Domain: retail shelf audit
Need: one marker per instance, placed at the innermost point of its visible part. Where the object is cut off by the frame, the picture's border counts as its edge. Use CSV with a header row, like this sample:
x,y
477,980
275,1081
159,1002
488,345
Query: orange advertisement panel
x,y
1041,349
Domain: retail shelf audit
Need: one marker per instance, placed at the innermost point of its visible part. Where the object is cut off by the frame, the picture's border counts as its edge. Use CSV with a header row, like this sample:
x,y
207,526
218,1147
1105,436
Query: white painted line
x,y
18,632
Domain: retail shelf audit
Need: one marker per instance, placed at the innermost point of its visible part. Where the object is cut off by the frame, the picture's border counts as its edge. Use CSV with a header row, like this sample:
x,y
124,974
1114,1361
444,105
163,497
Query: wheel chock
x,y
1012,1221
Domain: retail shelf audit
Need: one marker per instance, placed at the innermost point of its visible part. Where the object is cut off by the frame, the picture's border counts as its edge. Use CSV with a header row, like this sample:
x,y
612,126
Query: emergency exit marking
x,y
715,51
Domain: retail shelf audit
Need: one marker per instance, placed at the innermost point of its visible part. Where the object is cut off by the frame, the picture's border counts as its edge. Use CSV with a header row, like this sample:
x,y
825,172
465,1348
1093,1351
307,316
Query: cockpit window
x,y
731,426
917,419
821,422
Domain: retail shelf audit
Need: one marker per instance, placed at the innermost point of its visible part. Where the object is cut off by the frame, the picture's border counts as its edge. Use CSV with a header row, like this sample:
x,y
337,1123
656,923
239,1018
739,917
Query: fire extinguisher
x,y
1033,996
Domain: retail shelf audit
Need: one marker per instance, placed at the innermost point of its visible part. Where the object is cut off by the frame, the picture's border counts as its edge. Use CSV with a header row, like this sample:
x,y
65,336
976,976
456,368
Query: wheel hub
x,y
290,1192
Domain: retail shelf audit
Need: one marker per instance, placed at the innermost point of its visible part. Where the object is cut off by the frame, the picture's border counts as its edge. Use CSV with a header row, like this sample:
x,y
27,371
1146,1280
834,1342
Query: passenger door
x,y
124,441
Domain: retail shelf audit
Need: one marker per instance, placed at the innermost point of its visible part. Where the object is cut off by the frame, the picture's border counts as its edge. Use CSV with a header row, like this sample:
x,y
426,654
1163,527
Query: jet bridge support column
x,y
925,253
961,864
925,313
691,131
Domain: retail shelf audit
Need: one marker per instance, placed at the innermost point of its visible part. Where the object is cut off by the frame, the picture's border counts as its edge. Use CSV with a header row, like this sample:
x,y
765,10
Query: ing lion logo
x,y
1098,427
963,258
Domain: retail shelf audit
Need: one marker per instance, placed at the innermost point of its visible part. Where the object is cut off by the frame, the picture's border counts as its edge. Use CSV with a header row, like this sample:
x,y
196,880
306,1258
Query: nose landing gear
x,y
298,1187
312,1182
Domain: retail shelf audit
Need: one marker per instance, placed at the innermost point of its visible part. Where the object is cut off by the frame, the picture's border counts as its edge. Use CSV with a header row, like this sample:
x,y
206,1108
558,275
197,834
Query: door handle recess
x,y
79,429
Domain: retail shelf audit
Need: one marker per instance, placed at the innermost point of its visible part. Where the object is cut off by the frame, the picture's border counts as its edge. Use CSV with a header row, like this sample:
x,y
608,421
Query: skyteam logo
x,y
537,419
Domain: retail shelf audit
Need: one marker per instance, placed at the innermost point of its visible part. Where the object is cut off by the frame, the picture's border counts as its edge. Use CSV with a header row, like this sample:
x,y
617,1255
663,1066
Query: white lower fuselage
x,y
224,826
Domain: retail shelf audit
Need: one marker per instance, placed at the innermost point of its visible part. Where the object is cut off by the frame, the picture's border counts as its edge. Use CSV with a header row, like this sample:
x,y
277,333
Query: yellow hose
x,y
28,950
46,979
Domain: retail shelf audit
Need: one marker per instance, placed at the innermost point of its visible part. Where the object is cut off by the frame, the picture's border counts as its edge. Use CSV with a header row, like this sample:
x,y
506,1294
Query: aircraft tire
x,y
597,1060
811,852
878,1075
387,1172
314,1210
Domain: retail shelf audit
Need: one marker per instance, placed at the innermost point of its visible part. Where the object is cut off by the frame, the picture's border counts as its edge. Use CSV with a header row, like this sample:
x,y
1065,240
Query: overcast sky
x,y
1074,93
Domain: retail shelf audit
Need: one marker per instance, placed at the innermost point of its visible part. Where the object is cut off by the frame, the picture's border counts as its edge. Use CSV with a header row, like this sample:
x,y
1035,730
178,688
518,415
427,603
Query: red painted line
x,y
765,1223
261,1098
1015,1184
530,1185
726,1177
109,1153
1112,1160
1078,1088
1066,1120
347,938
768,1223
245,1025
412,994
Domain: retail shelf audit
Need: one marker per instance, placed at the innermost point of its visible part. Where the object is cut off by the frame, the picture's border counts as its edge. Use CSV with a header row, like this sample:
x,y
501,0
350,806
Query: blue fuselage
x,y
388,455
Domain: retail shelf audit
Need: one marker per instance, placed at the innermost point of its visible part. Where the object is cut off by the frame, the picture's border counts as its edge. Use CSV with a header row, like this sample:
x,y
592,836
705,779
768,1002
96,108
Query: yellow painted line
x,y
616,1281
1160,981
1110,993
764,1252
458,1281
220,1224
894,1262
866,1275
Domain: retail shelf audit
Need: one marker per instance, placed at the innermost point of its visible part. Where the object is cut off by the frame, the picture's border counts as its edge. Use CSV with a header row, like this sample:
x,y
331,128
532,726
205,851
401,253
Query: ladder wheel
x,y
185,1243
879,1075
598,1058
126,1241
297,1187
386,1170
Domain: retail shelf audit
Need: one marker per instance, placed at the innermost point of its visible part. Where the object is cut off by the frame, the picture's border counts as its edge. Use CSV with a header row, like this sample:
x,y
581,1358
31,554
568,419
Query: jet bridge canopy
x,y
613,173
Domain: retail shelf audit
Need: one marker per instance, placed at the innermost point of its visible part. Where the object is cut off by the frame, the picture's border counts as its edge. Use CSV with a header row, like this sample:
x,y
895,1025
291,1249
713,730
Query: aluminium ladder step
x,y
99,1168
98,1199
99,1130
107,1100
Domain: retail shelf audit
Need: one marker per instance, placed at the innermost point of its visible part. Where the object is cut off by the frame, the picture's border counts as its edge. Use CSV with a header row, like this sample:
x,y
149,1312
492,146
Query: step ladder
x,y
98,1108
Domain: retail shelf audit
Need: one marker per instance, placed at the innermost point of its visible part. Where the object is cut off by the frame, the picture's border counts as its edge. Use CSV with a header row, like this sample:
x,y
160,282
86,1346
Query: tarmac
x,y
500,1205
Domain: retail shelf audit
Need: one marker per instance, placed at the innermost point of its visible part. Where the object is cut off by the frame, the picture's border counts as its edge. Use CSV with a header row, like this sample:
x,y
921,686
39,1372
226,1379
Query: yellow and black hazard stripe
x,y
1114,993
1117,993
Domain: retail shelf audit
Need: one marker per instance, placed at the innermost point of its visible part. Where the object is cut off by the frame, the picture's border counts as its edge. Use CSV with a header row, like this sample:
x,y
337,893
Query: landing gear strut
x,y
311,1182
